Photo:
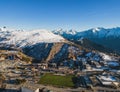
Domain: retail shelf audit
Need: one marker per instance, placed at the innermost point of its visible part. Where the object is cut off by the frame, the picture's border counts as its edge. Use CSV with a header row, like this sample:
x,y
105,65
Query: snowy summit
x,y
27,38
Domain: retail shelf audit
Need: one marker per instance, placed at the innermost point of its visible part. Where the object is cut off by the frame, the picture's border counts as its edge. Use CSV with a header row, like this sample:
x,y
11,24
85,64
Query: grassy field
x,y
57,80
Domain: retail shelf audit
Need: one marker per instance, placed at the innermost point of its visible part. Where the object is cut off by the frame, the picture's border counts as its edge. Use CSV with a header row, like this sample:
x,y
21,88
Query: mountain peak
x,y
97,29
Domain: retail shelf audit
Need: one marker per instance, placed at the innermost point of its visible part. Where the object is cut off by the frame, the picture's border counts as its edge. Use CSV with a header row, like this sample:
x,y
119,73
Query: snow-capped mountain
x,y
68,34
91,33
109,38
61,32
22,38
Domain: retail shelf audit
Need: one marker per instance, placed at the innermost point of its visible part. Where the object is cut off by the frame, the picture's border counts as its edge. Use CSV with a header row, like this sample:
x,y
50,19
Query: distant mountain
x,y
101,33
68,34
109,38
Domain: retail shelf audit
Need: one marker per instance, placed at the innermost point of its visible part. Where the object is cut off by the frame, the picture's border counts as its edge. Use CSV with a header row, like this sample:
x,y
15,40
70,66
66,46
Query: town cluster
x,y
91,69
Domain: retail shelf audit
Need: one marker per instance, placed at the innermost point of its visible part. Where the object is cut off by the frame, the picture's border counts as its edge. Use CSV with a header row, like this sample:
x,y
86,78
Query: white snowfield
x,y
26,38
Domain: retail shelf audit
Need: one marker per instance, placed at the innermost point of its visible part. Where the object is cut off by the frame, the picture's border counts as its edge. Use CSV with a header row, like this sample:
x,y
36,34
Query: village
x,y
92,73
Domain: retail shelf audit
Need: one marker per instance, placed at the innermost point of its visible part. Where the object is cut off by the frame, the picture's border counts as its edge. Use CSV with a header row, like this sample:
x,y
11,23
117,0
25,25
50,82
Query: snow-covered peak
x,y
58,31
27,38
96,29
72,32
63,32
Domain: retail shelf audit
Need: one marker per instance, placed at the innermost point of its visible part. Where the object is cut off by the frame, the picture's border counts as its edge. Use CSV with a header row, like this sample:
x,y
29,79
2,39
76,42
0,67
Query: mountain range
x,y
59,45
109,38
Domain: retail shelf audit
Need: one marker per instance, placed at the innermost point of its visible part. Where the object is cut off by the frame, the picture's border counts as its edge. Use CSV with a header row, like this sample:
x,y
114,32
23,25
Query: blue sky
x,y
54,14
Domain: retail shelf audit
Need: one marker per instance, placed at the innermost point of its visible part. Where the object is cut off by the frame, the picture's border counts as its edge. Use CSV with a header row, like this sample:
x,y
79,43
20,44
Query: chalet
x,y
40,65
109,81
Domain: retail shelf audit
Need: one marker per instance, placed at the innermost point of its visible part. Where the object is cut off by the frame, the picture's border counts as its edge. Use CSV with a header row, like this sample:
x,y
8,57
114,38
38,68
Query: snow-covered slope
x,y
22,38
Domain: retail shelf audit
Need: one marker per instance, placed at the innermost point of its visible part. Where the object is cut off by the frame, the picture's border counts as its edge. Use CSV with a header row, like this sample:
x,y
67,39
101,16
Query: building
x,y
108,81
24,89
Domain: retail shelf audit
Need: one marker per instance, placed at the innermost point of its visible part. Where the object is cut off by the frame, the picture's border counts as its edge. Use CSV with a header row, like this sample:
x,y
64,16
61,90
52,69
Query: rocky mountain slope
x,y
86,43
